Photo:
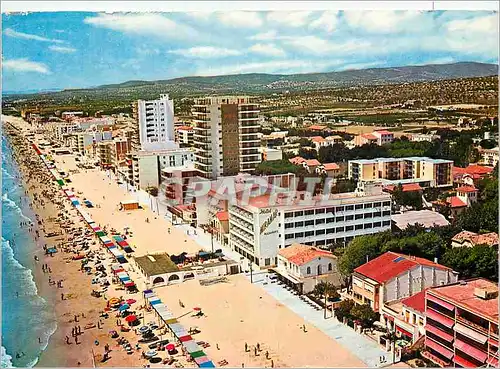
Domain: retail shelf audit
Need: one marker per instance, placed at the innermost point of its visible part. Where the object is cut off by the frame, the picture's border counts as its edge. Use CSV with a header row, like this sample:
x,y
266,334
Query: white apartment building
x,y
490,156
184,135
420,137
271,154
259,229
84,141
155,120
422,170
145,167
226,136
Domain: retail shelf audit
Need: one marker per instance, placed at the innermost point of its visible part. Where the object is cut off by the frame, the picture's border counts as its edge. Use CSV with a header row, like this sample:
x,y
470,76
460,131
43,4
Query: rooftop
x,y
473,169
299,254
331,166
415,302
489,239
466,189
384,132
426,218
407,187
391,264
455,202
156,264
222,215
463,294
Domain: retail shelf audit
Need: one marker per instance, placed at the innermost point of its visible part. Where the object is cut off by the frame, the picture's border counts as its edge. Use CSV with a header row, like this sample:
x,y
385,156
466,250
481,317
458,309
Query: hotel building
x,y
226,136
155,121
259,229
422,170
461,328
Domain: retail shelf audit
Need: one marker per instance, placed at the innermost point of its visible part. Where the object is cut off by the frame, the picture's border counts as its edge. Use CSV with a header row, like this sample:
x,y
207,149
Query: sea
x,y
26,315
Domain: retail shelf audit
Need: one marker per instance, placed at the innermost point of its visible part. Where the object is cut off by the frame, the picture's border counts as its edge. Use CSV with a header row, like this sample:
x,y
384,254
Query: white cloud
x,y
316,45
240,19
205,52
203,16
290,19
265,36
62,49
27,36
146,24
327,21
387,21
25,65
267,49
486,24
282,66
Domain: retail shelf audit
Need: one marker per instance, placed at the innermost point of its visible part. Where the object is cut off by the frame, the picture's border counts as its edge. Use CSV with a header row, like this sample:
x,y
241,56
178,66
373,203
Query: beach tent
x,y
202,359
191,346
208,364
129,205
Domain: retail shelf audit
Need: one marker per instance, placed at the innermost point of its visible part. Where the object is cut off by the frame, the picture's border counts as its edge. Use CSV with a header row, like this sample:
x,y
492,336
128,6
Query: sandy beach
x,y
236,312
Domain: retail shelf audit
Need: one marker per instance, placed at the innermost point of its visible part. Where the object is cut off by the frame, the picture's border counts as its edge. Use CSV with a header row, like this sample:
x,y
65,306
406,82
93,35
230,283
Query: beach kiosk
x,y
129,205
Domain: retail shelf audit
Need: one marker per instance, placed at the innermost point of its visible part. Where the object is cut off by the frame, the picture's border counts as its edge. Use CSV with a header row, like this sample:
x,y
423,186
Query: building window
x,y
309,212
288,236
330,220
359,216
377,224
359,226
308,270
309,222
320,211
349,208
386,213
368,226
368,215
358,207
330,230
309,233
339,208
319,270
387,203
386,223
299,213
299,235
367,206
320,221
349,228
339,229
377,214
349,218
329,267
267,262
320,231
288,215
288,225
299,224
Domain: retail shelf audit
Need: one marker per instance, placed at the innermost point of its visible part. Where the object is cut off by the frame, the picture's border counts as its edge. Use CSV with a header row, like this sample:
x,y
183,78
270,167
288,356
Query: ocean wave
x,y
8,254
6,358
11,204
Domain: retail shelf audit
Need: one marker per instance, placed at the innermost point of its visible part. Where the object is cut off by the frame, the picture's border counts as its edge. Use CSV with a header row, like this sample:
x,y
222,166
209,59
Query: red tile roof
x,y
299,254
312,163
455,202
331,166
317,139
369,136
463,295
409,187
297,160
384,132
467,189
391,264
473,169
222,215
416,302
316,127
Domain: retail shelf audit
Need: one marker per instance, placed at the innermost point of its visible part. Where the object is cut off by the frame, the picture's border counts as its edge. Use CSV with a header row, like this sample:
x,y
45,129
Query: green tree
x,y
327,290
343,309
364,314
278,167
477,261
358,251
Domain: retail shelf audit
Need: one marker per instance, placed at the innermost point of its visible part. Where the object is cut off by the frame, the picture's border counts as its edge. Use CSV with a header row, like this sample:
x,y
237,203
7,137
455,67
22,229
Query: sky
x,y
56,50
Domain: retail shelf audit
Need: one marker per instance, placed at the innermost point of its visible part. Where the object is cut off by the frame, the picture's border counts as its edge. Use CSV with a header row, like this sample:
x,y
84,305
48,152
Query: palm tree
x,y
326,289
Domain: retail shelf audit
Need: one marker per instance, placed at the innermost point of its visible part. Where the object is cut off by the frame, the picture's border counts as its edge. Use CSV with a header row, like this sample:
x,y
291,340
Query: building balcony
x,y
472,325
247,227
435,359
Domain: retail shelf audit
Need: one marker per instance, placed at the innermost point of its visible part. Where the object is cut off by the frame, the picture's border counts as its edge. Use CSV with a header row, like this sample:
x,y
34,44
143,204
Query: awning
x,y
470,333
201,360
493,342
171,321
464,362
493,362
404,331
391,318
185,338
208,364
129,284
438,348
440,302
155,302
196,354
447,322
191,346
471,351
438,332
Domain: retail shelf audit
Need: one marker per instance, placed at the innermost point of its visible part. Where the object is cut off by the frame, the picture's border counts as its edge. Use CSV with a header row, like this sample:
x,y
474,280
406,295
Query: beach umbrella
x,y
131,318
170,347
197,309
151,353
124,307
131,301
114,301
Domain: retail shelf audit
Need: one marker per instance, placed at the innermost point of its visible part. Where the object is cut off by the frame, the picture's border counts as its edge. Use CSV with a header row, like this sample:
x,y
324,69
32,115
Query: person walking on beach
x,y
246,347
258,346
62,296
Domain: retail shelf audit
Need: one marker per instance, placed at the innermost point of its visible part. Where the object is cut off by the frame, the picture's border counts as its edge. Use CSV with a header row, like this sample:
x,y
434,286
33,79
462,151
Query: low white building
x,y
160,270
490,156
271,154
304,267
268,223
